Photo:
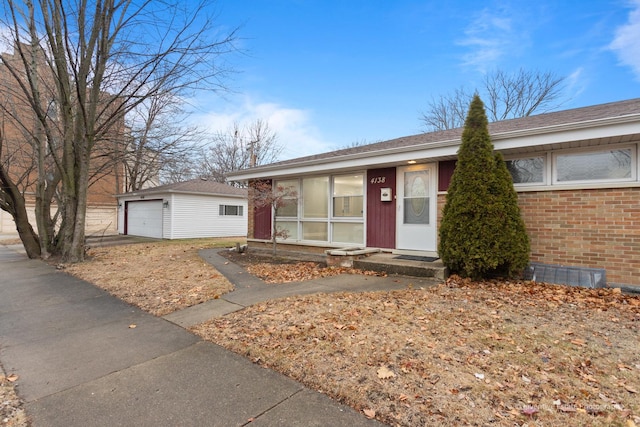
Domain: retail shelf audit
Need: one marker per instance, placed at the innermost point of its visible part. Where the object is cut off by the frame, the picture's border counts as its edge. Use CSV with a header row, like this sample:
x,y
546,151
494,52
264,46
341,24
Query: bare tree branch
x,y
505,95
78,70
240,147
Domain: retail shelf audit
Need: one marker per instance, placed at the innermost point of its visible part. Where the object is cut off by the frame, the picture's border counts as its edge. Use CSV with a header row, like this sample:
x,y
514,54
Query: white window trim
x,y
330,219
545,171
634,164
550,172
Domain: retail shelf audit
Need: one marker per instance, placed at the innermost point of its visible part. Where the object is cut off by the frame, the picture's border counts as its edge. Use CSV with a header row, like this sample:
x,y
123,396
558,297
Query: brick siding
x,y
587,228
598,228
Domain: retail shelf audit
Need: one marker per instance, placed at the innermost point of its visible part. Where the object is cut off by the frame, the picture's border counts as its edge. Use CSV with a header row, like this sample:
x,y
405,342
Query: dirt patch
x,y
462,353
11,407
159,277
279,269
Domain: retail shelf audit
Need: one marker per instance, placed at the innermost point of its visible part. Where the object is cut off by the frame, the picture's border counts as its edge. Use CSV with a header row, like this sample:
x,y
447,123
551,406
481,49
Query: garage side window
x,y
231,210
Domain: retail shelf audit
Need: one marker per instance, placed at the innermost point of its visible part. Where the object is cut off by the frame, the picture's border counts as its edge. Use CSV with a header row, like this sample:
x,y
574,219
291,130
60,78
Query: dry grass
x,y
460,354
159,277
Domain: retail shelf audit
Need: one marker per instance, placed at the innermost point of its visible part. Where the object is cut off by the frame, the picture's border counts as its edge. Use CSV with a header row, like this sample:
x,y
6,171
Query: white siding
x,y
199,216
167,218
193,216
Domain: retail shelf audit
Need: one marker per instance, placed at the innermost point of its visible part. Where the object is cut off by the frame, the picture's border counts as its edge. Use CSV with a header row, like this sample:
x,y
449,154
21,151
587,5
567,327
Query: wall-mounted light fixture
x,y
165,204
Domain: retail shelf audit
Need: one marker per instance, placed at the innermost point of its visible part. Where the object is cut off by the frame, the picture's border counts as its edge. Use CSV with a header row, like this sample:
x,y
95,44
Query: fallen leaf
x,y
132,326
385,373
12,378
630,389
369,413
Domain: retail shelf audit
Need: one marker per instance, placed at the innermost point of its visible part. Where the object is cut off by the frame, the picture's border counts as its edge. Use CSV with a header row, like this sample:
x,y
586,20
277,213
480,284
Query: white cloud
x,y
576,82
626,42
294,127
498,33
489,37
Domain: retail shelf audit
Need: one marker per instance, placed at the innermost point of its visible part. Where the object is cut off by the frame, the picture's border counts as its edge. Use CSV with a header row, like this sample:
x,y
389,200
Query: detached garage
x,y
190,209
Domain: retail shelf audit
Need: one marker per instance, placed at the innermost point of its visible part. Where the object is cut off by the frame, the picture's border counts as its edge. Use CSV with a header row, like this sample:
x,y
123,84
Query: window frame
x,y
545,168
329,221
222,210
633,167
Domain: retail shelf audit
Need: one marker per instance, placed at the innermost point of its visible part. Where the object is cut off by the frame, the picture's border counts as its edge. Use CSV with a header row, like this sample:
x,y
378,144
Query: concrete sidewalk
x,y
81,363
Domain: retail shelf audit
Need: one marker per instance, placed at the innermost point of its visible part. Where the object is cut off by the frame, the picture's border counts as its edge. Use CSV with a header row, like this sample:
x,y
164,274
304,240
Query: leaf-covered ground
x,y
11,406
159,277
300,271
462,353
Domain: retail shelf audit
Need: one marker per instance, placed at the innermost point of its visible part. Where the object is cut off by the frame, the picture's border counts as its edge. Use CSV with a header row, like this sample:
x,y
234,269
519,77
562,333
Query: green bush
x,y
482,234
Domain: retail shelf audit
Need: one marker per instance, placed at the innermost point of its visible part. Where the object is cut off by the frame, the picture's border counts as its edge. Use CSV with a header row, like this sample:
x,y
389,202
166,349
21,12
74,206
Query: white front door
x,y
416,208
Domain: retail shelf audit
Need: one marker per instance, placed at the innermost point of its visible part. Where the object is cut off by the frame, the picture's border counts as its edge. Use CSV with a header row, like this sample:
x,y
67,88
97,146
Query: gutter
x,y
262,171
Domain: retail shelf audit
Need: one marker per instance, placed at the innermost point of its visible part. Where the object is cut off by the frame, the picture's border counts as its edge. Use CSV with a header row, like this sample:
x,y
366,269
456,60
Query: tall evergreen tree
x,y
482,233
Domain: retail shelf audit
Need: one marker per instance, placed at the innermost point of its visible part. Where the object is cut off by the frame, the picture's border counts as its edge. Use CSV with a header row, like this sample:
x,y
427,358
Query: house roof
x,y
627,111
193,186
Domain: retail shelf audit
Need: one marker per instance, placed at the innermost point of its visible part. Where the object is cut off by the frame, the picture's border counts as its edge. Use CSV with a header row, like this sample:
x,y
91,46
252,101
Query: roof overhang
x,y
140,194
601,131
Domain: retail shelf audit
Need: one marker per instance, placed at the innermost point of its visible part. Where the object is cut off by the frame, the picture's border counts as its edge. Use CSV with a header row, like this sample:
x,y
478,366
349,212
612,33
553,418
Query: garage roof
x,y
193,186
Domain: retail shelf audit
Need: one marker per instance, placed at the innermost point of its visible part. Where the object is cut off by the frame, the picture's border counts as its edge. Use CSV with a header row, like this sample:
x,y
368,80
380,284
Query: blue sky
x,y
326,74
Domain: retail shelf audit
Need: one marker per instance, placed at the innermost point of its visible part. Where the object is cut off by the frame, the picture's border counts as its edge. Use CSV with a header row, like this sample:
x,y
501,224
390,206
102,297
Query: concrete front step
x,y
390,264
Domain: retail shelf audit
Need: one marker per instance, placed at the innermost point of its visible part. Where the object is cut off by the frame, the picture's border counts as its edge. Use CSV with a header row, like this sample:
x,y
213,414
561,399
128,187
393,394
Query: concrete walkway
x,y
80,363
249,290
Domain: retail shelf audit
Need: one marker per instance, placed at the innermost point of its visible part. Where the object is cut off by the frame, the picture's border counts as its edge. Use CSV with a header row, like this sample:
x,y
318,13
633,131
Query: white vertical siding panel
x,y
167,216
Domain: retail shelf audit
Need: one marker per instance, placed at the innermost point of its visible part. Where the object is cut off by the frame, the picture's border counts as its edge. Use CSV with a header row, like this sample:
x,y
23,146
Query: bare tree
x,y
181,167
447,111
240,147
507,96
158,140
80,67
358,143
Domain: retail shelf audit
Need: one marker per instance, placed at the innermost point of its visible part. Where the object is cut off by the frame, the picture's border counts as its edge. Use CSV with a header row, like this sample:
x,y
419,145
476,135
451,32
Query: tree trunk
x,y
18,210
27,235
274,236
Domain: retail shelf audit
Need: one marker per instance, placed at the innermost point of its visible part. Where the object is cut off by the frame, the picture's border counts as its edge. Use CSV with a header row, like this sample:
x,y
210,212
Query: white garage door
x,y
144,218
